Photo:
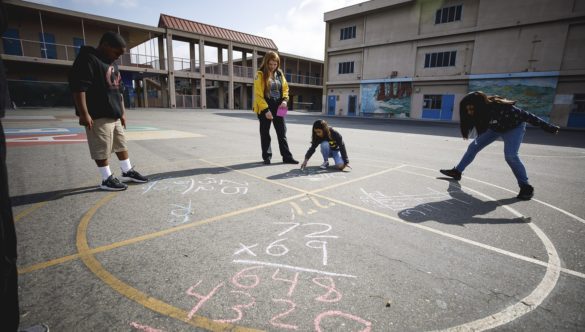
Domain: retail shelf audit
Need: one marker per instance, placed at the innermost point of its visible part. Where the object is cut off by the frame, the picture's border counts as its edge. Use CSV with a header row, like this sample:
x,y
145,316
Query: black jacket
x,y
505,117
101,82
335,143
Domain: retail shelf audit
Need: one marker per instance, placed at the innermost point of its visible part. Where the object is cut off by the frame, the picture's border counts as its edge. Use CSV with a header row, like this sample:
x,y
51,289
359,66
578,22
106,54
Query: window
x,y
440,59
11,42
448,14
432,101
347,33
345,67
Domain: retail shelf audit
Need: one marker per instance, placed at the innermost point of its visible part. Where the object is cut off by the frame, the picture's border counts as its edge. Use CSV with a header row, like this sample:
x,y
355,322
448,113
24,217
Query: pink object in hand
x,y
281,111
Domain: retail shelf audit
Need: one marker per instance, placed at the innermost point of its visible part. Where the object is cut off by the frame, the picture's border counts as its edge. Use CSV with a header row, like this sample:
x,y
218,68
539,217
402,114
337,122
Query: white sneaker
x,y
324,165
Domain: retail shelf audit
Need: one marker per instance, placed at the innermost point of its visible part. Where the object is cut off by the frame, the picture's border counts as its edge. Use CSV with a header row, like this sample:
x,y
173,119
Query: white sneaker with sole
x,y
324,165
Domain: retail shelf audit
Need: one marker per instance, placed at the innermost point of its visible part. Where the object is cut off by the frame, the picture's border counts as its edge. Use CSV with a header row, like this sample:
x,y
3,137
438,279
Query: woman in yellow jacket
x,y
270,92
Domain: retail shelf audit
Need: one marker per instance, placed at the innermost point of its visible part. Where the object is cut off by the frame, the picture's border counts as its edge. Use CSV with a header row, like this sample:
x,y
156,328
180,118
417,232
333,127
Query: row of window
x,y
443,15
432,60
13,44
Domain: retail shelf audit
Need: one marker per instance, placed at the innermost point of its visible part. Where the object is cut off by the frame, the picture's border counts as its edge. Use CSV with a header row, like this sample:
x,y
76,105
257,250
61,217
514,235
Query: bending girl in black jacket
x,y
493,117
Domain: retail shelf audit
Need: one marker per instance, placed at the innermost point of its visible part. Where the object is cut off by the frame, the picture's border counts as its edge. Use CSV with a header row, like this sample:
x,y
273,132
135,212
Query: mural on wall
x,y
392,98
535,95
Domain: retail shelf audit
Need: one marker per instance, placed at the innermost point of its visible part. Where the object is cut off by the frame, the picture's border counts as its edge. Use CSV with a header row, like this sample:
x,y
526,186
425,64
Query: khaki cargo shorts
x,y
106,136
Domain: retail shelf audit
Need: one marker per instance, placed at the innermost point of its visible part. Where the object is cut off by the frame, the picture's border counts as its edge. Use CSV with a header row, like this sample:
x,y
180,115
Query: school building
x,y
177,64
417,59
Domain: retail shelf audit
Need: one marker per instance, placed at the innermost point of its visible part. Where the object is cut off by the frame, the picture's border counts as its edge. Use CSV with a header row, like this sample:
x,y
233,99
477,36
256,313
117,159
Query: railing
x,y
303,79
54,51
183,64
214,68
140,61
188,101
241,71
36,49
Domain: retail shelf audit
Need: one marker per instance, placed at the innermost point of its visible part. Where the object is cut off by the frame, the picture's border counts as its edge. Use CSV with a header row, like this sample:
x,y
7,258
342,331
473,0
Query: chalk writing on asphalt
x,y
421,203
195,185
241,291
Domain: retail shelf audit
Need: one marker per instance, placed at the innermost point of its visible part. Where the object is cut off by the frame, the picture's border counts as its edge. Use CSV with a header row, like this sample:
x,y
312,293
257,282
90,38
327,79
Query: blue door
x,y
331,105
11,42
352,105
438,107
447,107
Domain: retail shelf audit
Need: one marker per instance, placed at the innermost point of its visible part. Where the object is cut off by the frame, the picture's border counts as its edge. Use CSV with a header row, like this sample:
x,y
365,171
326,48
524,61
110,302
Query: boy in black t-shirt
x,y
97,92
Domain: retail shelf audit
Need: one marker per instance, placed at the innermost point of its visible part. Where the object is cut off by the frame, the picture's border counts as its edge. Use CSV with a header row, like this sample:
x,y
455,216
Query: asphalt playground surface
x,y
218,241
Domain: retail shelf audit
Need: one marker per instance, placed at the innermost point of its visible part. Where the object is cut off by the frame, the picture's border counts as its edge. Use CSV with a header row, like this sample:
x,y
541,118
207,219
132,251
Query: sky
x,y
296,26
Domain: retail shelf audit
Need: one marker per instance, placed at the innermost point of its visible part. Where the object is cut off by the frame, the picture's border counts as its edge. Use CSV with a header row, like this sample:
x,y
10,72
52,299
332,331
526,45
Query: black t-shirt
x,y
101,82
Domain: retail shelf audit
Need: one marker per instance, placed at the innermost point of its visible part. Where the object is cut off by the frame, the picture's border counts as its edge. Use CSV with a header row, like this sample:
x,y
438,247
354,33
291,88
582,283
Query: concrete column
x,y
163,66
171,71
231,76
325,74
254,70
203,84
220,88
192,56
161,53
144,93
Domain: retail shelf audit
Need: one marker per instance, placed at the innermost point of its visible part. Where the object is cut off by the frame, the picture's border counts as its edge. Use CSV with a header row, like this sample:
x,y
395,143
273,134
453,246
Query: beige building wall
x,y
382,61
513,38
532,48
422,89
574,54
427,9
342,95
391,25
334,61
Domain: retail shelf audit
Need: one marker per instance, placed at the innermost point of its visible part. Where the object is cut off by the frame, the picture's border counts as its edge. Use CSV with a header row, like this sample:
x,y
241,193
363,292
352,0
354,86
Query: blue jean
x,y
328,153
512,140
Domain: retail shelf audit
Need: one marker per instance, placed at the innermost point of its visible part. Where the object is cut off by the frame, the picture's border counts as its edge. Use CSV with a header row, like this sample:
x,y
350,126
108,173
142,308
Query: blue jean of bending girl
x,y
512,140
328,153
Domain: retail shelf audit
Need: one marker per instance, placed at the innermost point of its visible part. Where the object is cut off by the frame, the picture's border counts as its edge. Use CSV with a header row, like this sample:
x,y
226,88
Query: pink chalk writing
x,y
144,327
202,298
240,276
284,314
237,308
293,282
368,325
330,290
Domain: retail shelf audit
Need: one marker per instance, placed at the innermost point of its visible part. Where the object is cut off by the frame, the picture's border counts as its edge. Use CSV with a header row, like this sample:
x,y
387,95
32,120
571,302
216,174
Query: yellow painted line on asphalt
x,y
30,210
57,261
136,295
150,236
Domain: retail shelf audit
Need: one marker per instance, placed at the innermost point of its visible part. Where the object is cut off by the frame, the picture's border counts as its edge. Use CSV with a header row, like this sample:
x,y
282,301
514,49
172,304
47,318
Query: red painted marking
x,y
18,141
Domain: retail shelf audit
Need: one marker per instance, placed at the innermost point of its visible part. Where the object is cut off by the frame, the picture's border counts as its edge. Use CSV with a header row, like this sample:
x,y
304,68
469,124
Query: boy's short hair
x,y
113,39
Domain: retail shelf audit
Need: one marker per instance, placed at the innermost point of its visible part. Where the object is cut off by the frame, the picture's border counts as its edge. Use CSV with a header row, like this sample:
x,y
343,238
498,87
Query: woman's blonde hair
x,y
270,56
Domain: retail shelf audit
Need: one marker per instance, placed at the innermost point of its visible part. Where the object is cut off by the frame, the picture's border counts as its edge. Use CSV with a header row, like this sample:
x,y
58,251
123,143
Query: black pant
x,y
9,313
279,126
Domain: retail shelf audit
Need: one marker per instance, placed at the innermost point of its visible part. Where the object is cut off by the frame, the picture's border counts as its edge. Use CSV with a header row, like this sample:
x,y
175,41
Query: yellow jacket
x,y
260,103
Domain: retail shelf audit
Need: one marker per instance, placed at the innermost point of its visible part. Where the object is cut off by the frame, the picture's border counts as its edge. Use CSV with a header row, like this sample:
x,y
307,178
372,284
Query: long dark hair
x,y
320,124
481,117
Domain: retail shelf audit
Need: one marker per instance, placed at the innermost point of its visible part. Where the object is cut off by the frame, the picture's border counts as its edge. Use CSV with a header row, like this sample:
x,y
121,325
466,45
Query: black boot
x,y
526,192
452,173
